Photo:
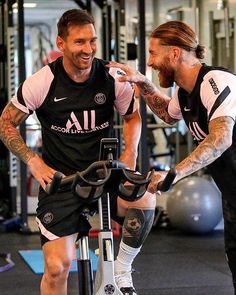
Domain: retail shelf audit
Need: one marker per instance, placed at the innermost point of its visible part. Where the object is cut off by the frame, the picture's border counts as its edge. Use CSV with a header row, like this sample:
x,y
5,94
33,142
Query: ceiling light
x,y
26,5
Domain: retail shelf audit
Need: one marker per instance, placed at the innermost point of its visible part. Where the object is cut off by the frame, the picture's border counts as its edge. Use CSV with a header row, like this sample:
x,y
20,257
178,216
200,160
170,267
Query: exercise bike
x,y
97,183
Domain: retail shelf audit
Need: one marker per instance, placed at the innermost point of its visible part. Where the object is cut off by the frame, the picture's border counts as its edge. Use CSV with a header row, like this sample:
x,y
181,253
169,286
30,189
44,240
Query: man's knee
x,y
147,201
57,269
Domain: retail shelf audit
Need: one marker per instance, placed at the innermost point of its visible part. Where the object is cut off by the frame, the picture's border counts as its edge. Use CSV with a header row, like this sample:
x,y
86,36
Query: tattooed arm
x,y
157,101
212,147
11,118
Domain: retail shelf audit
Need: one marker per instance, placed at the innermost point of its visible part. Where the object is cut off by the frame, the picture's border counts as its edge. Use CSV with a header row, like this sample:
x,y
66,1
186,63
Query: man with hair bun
x,y
205,98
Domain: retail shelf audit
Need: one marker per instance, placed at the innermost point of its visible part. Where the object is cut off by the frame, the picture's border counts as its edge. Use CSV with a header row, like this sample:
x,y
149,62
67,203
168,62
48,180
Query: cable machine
x,y
10,77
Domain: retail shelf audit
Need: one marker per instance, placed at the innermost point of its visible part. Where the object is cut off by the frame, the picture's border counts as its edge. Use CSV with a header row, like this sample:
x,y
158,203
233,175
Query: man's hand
x,y
41,172
132,75
156,181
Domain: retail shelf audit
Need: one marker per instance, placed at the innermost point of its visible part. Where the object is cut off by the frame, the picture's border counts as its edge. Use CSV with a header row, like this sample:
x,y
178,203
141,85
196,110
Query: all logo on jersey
x,y
196,131
100,98
73,121
86,124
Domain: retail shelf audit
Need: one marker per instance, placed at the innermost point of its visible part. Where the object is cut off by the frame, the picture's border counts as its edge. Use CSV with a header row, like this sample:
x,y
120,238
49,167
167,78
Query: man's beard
x,y
166,75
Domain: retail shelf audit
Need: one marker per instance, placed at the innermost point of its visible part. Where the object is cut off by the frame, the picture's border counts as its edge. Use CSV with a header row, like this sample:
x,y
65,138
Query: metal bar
x,y
196,16
119,21
22,76
152,126
107,31
80,4
84,248
3,43
143,150
211,30
11,90
226,23
88,5
100,3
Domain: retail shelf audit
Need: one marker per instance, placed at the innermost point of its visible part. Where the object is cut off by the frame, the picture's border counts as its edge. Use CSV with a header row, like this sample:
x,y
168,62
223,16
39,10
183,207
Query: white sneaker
x,y
125,283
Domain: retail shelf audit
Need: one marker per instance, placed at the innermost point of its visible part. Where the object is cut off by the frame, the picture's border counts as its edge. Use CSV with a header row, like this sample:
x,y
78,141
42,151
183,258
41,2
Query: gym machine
x,y
99,182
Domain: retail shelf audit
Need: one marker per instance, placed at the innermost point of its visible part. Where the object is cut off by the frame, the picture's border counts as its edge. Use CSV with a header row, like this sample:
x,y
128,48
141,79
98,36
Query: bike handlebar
x,y
59,181
168,180
81,185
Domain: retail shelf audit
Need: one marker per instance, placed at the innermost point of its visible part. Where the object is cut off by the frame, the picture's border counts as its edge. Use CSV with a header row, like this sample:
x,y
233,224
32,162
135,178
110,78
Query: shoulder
x,y
34,89
44,74
217,80
114,72
221,75
218,92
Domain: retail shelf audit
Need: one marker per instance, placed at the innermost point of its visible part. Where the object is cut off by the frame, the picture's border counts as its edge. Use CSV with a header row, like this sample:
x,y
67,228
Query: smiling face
x,y
78,47
159,60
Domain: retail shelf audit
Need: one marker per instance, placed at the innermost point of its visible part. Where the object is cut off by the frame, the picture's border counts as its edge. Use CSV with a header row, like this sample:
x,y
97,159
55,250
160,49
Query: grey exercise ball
x,y
194,205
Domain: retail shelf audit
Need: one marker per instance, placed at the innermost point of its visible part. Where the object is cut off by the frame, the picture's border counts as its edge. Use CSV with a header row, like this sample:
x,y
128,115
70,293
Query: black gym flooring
x,y
171,263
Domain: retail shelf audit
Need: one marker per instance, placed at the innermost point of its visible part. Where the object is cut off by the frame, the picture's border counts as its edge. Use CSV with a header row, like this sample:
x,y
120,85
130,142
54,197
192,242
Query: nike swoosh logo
x,y
186,109
59,99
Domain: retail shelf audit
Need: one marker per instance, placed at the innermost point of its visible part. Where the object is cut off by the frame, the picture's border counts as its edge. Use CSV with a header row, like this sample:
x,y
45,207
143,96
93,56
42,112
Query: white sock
x,y
125,257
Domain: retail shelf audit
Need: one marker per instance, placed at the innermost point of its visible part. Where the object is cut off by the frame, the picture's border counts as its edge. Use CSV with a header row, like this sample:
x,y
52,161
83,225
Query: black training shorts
x,y
59,215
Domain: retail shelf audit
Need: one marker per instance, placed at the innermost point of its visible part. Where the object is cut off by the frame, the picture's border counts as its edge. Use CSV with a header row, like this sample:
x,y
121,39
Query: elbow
x,y
224,145
227,139
169,120
228,142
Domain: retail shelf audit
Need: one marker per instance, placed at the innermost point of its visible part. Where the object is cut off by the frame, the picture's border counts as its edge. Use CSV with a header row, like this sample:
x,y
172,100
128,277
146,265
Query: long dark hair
x,y
178,33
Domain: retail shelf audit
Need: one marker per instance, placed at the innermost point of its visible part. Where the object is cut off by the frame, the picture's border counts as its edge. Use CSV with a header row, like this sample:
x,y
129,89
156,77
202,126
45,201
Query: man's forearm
x,y
202,156
14,142
132,138
131,134
157,101
210,149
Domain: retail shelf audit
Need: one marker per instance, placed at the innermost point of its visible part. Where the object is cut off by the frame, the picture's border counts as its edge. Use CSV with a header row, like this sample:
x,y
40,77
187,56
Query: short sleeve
x,y
124,92
218,94
174,108
32,92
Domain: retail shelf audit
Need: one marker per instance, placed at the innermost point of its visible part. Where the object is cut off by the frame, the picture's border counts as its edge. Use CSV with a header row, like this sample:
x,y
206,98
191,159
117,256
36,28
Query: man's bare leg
x,y
58,255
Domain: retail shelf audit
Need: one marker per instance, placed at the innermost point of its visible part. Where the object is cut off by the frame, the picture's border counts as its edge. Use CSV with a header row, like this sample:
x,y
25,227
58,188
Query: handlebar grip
x,y
52,187
167,182
94,167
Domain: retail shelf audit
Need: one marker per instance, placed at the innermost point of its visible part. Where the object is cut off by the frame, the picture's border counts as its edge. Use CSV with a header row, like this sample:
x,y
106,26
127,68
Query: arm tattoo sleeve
x,y
218,140
157,101
9,120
